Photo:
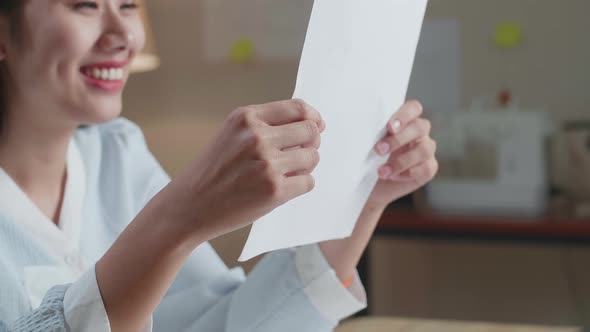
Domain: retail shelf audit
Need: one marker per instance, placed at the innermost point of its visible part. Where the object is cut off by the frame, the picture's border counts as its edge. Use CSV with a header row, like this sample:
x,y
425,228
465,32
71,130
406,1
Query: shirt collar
x,y
18,207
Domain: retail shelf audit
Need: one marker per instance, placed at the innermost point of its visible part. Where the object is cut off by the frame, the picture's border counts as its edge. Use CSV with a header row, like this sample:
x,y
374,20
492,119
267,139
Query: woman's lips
x,y
108,76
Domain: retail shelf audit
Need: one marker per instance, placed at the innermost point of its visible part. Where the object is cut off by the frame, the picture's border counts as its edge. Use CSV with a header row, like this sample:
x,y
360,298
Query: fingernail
x,y
383,148
395,126
385,172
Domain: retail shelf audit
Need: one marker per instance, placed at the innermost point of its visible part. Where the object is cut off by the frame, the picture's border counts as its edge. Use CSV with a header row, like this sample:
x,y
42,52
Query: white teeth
x,y
104,74
110,74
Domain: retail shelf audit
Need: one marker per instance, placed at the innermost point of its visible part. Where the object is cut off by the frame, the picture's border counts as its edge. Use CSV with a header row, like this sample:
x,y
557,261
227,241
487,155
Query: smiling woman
x,y
53,57
88,207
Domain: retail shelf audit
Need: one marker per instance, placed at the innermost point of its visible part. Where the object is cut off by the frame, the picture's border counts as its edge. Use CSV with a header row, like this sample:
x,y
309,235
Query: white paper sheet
x,y
355,69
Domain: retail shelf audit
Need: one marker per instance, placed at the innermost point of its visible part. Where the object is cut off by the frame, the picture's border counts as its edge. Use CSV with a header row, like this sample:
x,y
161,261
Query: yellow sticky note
x,y
508,35
242,51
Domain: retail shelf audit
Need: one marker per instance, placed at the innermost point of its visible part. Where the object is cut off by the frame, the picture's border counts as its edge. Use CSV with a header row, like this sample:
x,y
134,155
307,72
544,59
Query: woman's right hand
x,y
261,158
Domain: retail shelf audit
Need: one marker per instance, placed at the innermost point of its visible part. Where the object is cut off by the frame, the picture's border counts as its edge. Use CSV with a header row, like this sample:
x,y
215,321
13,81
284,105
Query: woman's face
x,y
69,59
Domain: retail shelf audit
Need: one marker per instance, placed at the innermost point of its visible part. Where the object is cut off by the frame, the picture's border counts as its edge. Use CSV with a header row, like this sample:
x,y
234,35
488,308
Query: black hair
x,y
9,9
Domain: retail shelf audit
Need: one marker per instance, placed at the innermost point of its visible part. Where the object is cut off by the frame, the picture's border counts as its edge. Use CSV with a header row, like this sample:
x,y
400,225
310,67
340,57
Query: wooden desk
x,y
415,325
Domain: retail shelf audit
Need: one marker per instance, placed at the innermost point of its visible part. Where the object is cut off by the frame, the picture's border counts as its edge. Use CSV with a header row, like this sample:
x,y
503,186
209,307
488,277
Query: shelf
x,y
544,229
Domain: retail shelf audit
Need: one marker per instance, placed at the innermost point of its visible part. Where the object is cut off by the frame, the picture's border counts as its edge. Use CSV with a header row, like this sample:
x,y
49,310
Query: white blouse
x,y
111,176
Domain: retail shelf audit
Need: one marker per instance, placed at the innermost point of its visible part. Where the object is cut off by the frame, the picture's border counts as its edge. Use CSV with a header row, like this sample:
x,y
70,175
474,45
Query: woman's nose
x,y
116,36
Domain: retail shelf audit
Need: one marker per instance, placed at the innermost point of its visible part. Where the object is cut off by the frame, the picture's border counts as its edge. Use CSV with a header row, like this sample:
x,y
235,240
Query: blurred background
x,y
503,233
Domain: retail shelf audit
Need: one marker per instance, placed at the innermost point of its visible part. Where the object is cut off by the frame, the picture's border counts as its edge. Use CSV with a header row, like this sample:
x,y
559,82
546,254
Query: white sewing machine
x,y
492,163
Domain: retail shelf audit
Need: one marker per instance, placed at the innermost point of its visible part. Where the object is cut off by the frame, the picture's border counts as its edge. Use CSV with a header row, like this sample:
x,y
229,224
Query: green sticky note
x,y
242,51
508,35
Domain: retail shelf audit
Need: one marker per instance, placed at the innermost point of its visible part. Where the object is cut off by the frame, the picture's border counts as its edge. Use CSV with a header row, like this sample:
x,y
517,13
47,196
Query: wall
x,y
550,69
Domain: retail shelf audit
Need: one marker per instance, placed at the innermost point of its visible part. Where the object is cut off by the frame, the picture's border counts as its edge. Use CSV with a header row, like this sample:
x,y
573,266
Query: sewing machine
x,y
493,162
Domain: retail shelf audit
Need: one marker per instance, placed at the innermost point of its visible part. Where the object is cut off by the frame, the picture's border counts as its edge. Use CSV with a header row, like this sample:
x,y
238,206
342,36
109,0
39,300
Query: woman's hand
x,y
261,158
412,162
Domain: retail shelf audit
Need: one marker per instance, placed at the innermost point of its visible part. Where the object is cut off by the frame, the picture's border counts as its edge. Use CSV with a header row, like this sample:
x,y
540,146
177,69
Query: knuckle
x,y
425,126
312,129
400,164
435,167
309,183
270,155
244,116
241,112
237,113
314,157
316,142
395,142
431,169
434,145
301,107
397,163
265,169
425,150
429,125
254,140
306,112
416,105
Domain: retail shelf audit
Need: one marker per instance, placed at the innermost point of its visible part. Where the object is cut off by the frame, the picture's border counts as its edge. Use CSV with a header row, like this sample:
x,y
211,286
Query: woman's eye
x,y
86,5
130,5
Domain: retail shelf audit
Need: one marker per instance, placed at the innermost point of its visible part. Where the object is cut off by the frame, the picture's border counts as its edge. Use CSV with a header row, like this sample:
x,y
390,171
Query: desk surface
x,y
416,325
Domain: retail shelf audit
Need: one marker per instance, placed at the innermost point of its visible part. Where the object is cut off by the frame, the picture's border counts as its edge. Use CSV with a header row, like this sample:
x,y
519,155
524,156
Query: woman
x,y
95,237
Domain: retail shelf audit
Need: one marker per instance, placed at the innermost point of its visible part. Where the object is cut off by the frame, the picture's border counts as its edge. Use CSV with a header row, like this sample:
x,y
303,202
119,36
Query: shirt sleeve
x,y
323,288
75,307
276,296
84,309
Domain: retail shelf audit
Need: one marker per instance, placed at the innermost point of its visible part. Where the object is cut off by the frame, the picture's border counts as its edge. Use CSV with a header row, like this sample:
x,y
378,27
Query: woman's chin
x,y
97,113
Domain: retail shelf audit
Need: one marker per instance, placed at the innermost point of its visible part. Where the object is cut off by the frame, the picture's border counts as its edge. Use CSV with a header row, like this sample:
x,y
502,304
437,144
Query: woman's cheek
x,y
137,31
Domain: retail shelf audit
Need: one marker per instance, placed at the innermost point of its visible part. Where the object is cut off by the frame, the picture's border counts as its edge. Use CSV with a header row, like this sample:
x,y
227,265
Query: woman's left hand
x,y
411,165
412,162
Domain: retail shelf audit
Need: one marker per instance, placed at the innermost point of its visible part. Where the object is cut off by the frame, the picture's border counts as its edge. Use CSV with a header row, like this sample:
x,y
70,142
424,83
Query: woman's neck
x,y
35,158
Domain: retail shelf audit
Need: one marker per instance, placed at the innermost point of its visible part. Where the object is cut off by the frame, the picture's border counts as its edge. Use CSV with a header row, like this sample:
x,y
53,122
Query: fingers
x,y
295,167
409,112
298,161
415,130
303,133
288,111
404,127
297,185
420,174
408,157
